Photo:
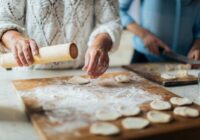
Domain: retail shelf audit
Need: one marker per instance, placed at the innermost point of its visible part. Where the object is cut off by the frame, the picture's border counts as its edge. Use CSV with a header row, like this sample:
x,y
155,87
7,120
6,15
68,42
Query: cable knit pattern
x,y
52,22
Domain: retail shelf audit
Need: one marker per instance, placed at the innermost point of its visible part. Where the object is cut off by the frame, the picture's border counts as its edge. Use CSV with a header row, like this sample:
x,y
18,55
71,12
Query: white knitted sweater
x,y
51,22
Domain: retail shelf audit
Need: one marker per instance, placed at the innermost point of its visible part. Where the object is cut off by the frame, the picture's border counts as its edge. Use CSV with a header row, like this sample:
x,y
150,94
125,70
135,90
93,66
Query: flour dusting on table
x,y
74,106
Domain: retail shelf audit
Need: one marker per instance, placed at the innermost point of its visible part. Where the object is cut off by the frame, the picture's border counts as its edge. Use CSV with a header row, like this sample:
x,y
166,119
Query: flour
x,y
65,103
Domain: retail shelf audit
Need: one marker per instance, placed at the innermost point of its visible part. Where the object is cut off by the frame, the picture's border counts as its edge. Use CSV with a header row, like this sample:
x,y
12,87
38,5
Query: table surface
x,y
14,124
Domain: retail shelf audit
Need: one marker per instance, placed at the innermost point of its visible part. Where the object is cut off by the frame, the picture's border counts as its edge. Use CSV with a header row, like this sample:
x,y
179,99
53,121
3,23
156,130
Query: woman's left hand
x,y
96,58
194,54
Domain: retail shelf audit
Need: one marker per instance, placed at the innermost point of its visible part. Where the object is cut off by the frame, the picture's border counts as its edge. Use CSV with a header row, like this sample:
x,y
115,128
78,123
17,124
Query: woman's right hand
x,y
150,41
22,48
153,43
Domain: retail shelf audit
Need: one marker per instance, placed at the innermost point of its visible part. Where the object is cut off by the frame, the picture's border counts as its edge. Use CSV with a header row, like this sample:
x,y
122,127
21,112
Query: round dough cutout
x,y
78,80
186,112
168,76
107,115
158,117
180,101
122,78
104,128
160,105
135,123
129,110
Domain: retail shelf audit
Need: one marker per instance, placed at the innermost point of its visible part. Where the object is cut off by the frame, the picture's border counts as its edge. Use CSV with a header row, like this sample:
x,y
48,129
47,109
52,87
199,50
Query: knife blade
x,y
177,57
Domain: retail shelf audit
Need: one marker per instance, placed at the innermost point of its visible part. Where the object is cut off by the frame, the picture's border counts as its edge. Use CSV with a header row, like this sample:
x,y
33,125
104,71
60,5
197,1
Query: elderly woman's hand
x,y
22,48
96,58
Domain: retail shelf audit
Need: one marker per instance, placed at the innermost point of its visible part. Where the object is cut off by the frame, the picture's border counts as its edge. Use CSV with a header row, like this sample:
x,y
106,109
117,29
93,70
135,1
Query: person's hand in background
x,y
150,41
194,52
153,43
22,47
96,57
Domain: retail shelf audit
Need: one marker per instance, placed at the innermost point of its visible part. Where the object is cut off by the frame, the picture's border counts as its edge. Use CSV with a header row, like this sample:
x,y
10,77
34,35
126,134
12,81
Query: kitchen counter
x,y
14,124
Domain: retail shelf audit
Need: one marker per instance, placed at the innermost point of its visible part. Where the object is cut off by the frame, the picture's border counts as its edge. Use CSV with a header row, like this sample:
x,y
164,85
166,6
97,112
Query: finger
x,y
21,55
196,55
199,54
103,64
15,54
93,62
87,60
34,48
190,56
163,45
154,49
103,69
150,48
27,53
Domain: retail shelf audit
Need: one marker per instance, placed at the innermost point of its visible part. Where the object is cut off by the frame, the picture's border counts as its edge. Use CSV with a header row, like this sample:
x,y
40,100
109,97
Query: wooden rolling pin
x,y
57,53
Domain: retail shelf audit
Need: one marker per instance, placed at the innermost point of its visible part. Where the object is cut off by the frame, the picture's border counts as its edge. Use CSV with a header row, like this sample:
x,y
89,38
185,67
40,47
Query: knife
x,y
177,57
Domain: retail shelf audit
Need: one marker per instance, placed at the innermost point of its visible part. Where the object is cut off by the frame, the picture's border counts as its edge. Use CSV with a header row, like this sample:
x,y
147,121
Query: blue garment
x,y
175,22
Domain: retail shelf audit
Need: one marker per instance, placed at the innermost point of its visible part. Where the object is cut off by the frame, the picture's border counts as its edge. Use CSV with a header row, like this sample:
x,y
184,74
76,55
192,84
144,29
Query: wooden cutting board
x,y
152,72
179,128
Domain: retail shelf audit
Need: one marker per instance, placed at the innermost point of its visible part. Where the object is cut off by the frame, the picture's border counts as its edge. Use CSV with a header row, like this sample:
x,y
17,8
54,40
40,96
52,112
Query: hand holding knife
x,y
177,57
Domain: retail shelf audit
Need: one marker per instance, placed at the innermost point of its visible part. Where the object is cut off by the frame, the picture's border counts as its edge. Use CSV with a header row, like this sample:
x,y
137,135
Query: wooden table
x,y
180,128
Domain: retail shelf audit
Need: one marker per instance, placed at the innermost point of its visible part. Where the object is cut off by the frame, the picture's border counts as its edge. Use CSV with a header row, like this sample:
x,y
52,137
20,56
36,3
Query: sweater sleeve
x,y
107,20
124,6
11,17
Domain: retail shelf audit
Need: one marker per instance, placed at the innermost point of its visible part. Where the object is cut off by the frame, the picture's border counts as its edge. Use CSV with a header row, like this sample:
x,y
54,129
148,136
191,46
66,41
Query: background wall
x,y
124,54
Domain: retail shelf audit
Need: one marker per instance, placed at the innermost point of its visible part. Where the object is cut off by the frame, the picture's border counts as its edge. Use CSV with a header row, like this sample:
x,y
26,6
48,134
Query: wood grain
x,y
179,128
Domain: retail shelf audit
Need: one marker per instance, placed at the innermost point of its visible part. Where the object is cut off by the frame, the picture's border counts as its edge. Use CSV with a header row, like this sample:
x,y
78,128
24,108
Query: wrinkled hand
x,y
153,43
96,58
96,62
23,50
194,54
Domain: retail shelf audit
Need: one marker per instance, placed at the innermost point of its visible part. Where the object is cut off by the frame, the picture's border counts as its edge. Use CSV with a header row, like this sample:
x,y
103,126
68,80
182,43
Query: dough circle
x,y
107,115
160,105
158,117
180,101
182,73
168,76
186,112
129,110
104,128
135,123
107,82
122,78
78,80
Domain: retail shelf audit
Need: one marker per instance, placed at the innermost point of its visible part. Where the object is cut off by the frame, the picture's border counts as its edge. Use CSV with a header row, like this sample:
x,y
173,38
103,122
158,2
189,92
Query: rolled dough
x,y
158,117
122,78
186,112
109,82
104,128
182,73
78,80
107,114
180,101
174,74
160,105
135,123
129,110
168,76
